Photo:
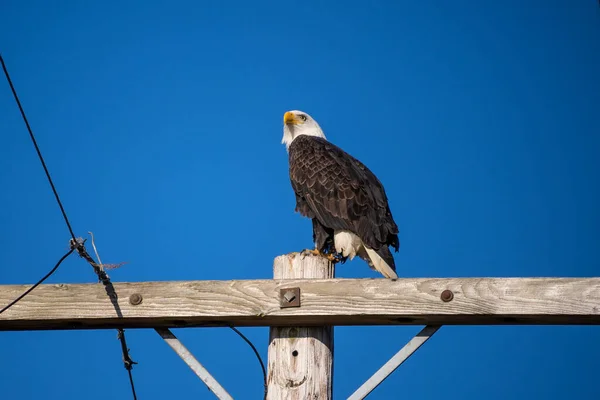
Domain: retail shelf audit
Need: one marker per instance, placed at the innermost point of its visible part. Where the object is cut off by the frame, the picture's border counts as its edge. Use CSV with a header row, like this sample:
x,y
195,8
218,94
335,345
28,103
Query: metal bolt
x,y
447,295
289,296
135,299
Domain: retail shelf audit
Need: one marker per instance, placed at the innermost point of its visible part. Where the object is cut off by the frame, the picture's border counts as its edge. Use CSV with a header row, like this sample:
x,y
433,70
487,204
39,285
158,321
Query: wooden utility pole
x,y
300,358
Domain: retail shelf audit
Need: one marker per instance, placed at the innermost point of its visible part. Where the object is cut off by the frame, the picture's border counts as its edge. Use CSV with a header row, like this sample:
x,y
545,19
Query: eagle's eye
x,y
303,117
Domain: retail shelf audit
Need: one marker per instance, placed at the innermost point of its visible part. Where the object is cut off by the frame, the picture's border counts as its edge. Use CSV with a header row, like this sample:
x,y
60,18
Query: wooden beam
x,y
300,357
475,301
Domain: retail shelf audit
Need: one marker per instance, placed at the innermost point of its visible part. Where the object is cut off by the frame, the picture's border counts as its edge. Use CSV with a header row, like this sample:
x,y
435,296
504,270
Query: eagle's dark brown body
x,y
339,193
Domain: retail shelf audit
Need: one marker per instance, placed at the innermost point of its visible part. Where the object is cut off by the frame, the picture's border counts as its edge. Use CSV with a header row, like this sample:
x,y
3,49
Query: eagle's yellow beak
x,y
290,118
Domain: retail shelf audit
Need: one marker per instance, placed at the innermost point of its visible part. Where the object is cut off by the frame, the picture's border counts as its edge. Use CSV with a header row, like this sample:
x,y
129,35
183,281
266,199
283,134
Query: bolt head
x,y
447,295
289,296
135,299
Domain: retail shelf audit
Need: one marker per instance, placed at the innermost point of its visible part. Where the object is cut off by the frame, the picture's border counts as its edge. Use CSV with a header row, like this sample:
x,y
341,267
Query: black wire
x,y
37,149
39,282
75,243
262,364
132,385
127,361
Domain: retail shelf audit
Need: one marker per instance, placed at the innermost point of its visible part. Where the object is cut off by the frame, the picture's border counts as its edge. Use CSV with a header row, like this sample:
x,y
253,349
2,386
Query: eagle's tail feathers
x,y
378,263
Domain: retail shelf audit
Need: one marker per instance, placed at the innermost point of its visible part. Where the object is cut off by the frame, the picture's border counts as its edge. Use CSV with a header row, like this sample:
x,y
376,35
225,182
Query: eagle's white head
x,y
296,123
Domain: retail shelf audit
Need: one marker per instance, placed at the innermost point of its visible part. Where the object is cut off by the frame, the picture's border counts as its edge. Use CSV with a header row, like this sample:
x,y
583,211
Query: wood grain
x,y
477,301
300,357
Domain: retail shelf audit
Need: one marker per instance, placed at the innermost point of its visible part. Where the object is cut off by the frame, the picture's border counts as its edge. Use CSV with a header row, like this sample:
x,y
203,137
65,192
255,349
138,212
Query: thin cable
x,y
132,385
104,278
127,361
75,244
262,364
39,282
37,149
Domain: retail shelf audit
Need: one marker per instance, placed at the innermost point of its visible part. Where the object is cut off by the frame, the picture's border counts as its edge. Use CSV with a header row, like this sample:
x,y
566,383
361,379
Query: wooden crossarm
x,y
474,301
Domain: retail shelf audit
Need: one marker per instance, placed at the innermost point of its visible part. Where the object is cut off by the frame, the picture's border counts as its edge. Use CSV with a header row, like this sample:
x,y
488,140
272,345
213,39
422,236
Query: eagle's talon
x,y
313,252
332,257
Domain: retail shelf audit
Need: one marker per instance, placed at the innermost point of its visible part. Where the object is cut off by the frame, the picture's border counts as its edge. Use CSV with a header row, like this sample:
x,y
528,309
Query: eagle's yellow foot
x,y
316,252
331,257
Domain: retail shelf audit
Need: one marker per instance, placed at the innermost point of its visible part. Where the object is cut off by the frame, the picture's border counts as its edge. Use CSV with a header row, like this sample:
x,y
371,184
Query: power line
x,y
112,295
127,361
12,303
37,149
76,244
257,354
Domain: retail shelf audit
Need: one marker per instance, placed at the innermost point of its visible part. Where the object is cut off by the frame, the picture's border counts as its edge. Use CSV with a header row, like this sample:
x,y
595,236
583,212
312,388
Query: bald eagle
x,y
345,200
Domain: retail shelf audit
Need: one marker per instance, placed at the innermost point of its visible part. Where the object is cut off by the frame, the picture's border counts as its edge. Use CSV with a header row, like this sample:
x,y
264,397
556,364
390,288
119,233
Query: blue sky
x,y
161,124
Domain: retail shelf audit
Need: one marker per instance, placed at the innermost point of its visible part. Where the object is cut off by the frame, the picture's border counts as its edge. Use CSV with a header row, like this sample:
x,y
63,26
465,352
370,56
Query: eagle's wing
x,y
340,191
